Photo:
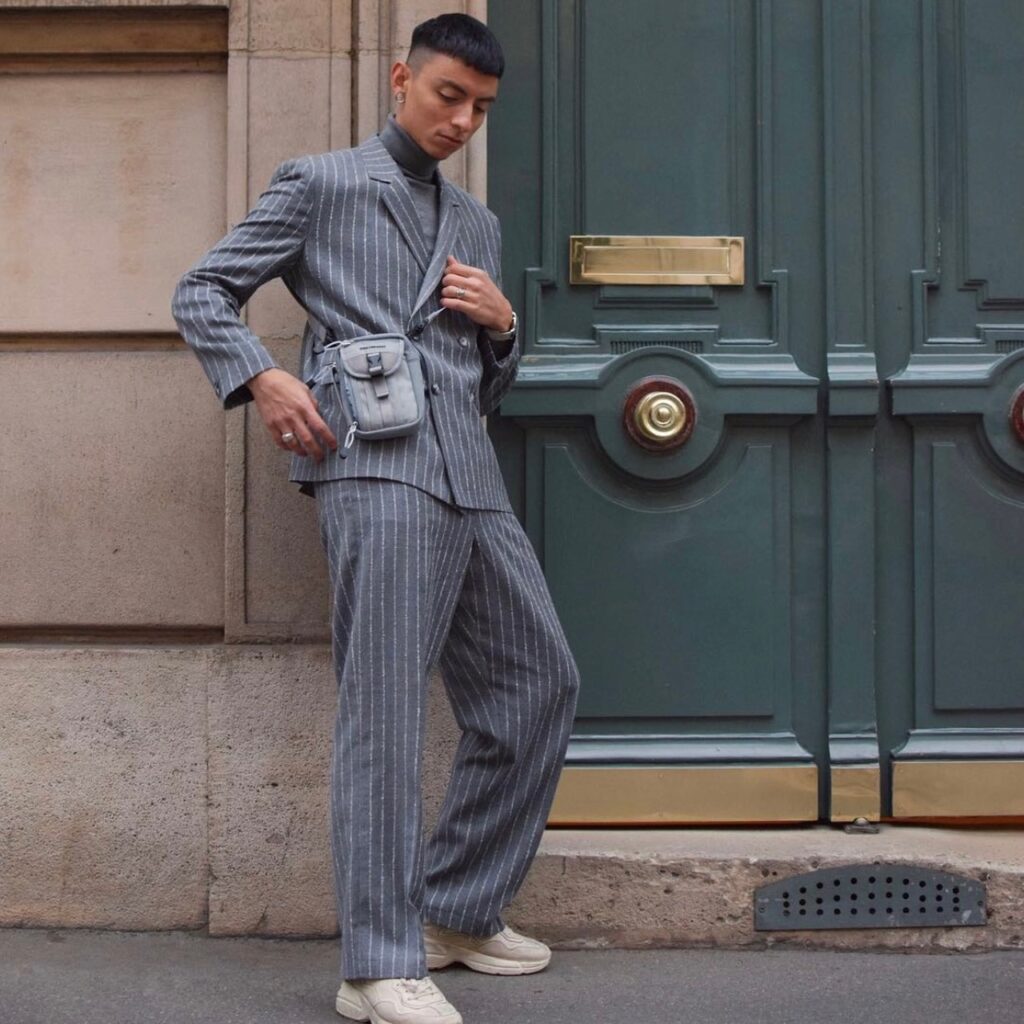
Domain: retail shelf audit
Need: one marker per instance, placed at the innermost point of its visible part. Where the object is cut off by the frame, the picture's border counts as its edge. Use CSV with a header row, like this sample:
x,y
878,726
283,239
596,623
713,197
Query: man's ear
x,y
401,75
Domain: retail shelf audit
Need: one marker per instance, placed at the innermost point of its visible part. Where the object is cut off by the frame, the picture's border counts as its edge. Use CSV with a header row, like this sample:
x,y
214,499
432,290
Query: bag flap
x,y
363,355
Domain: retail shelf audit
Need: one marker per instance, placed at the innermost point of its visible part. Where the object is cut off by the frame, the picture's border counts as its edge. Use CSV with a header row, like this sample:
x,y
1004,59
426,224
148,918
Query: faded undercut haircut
x,y
462,37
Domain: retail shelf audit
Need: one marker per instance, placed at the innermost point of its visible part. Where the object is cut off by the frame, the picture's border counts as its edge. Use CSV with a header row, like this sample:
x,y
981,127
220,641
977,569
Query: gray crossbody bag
x,y
378,380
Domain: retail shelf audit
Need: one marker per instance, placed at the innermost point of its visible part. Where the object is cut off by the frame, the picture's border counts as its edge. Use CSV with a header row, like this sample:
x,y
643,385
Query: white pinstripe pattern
x,y
428,564
416,582
342,232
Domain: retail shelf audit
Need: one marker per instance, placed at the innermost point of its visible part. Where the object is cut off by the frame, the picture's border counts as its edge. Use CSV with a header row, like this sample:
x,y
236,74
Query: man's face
x,y
445,101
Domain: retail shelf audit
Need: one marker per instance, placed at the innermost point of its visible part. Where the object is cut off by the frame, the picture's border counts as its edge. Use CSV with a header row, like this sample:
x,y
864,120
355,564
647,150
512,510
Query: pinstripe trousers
x,y
416,583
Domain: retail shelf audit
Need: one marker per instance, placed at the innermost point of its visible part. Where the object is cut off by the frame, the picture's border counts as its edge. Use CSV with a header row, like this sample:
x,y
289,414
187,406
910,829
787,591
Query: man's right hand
x,y
288,407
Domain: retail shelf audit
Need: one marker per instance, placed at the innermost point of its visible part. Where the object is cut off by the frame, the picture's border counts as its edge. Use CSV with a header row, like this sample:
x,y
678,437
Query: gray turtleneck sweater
x,y
420,171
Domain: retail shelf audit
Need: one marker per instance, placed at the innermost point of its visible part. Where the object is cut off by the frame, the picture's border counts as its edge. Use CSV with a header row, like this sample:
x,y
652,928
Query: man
x,y
428,562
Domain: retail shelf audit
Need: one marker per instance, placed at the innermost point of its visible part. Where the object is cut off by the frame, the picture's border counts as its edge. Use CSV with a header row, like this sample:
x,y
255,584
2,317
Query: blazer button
x,y
435,388
463,341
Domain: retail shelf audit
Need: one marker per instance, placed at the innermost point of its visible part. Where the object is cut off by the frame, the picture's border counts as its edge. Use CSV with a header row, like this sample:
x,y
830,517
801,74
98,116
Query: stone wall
x,y
166,699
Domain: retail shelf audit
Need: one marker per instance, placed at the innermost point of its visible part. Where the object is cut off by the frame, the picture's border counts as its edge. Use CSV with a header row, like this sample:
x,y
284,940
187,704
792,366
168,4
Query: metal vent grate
x,y
621,346
869,896
1009,344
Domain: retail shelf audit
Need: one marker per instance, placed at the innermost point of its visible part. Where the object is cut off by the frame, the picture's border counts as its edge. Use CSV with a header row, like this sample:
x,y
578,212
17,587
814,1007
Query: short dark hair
x,y
462,37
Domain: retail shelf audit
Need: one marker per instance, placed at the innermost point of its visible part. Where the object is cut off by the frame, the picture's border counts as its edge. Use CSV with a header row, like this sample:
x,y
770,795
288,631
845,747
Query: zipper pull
x,y
349,438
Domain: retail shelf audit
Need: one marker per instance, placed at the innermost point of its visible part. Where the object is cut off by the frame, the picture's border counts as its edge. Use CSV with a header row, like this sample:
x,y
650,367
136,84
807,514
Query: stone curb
x,y
592,889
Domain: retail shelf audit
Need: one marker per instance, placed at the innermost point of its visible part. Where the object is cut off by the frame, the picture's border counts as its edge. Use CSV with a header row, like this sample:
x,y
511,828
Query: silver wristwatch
x,y
508,335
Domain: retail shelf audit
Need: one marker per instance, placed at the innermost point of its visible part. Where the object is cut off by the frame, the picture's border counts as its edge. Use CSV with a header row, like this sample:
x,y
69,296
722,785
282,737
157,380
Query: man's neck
x,y
406,151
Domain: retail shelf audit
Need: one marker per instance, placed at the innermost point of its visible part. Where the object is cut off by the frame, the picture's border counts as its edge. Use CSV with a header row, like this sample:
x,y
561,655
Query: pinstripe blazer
x,y
341,230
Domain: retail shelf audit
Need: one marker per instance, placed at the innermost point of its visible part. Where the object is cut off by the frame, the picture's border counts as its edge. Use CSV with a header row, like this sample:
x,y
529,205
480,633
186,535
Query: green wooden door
x,y
813,606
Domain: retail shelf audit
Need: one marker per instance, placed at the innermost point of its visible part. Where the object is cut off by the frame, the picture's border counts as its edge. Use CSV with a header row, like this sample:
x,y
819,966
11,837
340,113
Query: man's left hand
x,y
479,297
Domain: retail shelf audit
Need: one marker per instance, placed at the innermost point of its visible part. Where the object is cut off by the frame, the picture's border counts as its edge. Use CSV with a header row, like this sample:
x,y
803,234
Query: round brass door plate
x,y
659,414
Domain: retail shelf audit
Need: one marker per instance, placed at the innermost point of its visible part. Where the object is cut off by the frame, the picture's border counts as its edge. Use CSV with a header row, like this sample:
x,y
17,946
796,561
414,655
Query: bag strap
x,y
322,335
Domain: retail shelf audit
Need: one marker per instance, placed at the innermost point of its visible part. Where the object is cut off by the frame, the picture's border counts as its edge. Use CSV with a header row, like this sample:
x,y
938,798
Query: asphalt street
x,y
72,976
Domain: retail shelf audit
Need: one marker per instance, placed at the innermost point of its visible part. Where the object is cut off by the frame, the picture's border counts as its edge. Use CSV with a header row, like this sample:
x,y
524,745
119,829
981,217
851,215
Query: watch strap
x,y
505,335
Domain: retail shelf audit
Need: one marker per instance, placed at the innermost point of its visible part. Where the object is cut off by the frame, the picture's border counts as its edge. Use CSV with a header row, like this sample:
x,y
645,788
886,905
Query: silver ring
x,y
460,293
288,437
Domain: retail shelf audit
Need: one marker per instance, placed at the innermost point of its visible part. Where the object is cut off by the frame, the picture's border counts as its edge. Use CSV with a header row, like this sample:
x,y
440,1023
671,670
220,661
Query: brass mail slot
x,y
655,259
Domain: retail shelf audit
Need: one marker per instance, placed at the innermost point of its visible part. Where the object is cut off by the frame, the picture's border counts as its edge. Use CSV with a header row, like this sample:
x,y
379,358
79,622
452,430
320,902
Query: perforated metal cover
x,y
869,896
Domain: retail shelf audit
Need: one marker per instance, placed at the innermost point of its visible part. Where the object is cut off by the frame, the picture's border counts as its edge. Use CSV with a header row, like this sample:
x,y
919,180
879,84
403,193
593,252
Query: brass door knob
x,y
659,414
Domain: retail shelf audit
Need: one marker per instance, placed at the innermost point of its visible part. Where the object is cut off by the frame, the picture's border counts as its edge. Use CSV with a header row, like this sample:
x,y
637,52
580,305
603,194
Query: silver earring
x,y
399,97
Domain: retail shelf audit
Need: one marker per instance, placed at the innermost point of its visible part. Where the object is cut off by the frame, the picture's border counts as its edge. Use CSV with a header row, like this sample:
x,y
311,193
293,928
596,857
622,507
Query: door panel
x,y
627,554
799,589
978,646
679,575
952,358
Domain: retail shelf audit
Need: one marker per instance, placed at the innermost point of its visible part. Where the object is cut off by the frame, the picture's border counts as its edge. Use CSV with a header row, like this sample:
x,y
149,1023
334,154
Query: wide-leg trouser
x,y
416,583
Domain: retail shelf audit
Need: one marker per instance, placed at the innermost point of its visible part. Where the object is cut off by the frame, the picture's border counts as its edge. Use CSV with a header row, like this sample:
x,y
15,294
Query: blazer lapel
x,y
449,221
397,198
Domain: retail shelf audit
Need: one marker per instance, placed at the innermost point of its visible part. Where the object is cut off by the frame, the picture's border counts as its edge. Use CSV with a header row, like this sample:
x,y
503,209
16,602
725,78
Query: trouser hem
x,y
452,921
366,972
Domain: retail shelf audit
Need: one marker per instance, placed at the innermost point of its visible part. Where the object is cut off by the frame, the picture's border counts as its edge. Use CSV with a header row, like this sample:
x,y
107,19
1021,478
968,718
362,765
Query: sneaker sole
x,y
351,1009
358,1009
486,964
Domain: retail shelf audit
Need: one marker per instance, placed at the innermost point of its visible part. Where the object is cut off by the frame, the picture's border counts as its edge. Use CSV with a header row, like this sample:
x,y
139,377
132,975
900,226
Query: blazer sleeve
x,y
499,373
208,299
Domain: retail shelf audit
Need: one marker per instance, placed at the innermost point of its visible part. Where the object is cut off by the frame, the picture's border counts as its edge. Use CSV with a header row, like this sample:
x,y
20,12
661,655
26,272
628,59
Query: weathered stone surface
x,y
341,26
110,192
288,116
270,724
238,27
103,786
368,19
373,97
341,134
271,730
113,490
138,785
298,25
407,14
696,887
288,102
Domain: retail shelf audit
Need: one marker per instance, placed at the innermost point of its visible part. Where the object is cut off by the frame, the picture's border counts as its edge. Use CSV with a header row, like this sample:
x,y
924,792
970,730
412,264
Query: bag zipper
x,y
350,437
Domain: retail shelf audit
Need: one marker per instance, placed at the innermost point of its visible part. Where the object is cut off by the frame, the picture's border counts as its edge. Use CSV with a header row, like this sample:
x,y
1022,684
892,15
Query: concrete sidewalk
x,y
94,977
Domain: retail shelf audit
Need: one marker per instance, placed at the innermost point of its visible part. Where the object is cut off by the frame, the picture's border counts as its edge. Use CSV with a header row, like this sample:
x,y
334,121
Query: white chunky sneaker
x,y
395,1001
508,952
